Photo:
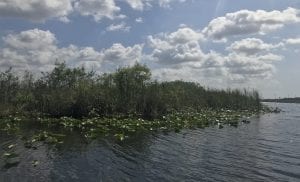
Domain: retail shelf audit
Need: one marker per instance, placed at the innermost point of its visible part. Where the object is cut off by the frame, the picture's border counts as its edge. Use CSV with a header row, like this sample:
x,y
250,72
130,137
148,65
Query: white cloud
x,y
118,27
36,10
176,47
119,56
166,3
217,70
292,41
42,10
139,20
141,4
31,40
98,9
34,47
178,55
243,68
245,22
270,57
251,46
37,50
137,4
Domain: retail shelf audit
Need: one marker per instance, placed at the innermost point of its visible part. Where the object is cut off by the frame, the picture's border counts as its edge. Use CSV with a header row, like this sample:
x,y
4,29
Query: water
x,y
267,149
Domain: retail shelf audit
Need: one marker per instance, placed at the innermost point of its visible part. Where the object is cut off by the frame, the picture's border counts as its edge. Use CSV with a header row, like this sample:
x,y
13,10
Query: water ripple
x,y
267,149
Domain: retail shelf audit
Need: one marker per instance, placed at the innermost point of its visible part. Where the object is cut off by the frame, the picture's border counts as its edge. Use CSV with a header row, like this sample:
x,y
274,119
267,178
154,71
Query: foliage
x,y
129,91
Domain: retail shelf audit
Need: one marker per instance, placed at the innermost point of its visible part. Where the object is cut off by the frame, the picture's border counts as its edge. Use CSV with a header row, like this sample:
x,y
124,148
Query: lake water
x,y
267,149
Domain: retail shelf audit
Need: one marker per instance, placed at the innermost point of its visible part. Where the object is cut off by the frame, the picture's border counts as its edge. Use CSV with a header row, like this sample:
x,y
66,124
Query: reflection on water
x,y
267,149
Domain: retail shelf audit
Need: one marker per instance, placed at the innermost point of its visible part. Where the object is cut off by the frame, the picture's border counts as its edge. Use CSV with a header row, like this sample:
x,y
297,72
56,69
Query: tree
x,y
131,83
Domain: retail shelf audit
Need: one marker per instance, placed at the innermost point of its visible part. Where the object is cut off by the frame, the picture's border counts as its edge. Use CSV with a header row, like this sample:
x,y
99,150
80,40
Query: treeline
x,y
75,92
284,100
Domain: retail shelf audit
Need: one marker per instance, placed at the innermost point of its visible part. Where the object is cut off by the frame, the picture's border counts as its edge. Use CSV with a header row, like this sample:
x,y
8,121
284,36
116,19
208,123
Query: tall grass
x,y
78,93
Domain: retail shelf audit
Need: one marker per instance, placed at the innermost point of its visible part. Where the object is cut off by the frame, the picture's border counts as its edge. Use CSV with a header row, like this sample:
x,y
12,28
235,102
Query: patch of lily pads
x,y
121,127
118,127
12,158
45,137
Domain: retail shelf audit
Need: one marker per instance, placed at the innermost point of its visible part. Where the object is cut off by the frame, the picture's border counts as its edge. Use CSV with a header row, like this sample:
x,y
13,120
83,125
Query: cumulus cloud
x,y
36,10
119,56
221,69
172,56
243,68
98,9
212,76
138,4
246,22
251,46
33,39
176,47
37,50
42,10
34,47
118,27
292,41
179,56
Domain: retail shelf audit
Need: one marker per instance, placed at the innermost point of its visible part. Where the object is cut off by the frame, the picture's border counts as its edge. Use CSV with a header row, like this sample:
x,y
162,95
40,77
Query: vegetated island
x,y
117,104
284,100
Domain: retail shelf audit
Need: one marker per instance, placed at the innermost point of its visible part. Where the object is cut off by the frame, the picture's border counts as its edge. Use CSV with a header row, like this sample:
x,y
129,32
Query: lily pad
x,y
10,155
11,146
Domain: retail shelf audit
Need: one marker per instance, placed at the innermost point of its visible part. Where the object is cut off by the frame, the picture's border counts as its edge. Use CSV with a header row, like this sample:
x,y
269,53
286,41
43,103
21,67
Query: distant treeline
x,y
78,93
284,100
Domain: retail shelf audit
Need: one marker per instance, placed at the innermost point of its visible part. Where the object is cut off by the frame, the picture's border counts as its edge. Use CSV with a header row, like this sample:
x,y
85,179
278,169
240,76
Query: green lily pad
x,y
10,155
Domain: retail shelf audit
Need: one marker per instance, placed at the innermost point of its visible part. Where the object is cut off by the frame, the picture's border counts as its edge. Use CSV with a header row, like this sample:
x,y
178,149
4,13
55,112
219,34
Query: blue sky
x,y
218,43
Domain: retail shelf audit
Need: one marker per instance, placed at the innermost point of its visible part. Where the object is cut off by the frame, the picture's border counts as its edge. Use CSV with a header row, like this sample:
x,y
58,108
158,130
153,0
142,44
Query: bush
x,y
75,92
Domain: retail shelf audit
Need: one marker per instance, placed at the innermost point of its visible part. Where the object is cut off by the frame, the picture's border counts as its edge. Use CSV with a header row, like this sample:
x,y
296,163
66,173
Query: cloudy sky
x,y
218,43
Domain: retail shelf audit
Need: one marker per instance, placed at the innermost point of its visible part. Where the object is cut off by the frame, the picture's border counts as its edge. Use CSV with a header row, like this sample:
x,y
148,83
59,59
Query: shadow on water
x,y
267,149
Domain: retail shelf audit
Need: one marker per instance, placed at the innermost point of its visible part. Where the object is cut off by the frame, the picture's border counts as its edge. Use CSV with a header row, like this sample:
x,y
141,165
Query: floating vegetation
x,y
11,146
10,123
121,127
46,137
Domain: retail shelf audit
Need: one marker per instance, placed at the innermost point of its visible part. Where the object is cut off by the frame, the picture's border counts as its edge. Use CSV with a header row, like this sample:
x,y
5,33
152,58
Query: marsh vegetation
x,y
125,101
130,91
117,105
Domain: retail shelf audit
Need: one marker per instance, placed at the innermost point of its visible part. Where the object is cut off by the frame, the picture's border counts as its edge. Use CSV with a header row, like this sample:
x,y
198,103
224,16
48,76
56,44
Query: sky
x,y
252,44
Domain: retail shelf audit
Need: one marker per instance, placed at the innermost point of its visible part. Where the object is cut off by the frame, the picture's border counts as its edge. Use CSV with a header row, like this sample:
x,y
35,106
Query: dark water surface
x,y
267,149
